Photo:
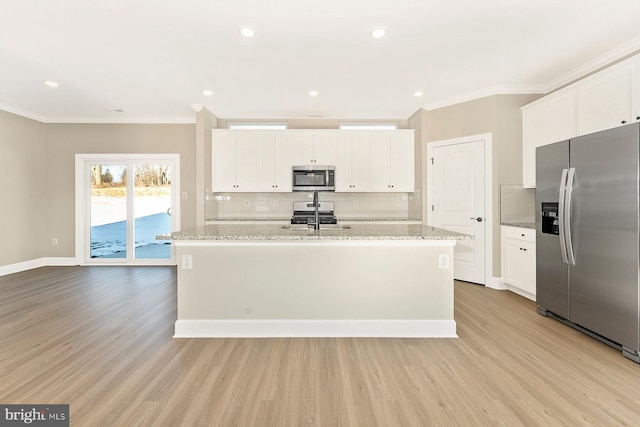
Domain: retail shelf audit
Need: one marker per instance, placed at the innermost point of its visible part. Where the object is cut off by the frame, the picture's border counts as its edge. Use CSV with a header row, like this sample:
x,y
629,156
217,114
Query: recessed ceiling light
x,y
378,32
51,83
247,32
313,93
418,93
207,92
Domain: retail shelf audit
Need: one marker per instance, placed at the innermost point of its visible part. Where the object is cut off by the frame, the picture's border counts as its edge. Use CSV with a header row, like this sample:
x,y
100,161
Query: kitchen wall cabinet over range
x,y
604,100
313,147
519,260
261,161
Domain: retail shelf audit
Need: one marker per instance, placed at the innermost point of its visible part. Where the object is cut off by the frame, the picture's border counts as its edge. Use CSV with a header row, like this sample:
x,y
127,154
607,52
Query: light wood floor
x,y
99,338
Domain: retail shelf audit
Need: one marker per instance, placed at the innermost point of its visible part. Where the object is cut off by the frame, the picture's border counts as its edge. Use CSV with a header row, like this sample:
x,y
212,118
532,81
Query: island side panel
x,y
328,281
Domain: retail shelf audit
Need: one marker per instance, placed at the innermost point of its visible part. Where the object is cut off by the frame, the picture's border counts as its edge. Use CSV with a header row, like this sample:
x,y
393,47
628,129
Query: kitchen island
x,y
267,280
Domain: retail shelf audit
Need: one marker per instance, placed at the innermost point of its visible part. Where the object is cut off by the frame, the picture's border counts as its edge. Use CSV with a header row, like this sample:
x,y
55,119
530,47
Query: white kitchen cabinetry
x,y
314,147
353,164
261,161
519,260
635,91
604,100
274,156
392,161
234,161
549,120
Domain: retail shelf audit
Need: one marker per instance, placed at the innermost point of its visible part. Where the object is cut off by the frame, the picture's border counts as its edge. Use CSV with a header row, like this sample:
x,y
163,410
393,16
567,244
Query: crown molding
x,y
482,93
23,113
101,120
609,58
128,120
629,48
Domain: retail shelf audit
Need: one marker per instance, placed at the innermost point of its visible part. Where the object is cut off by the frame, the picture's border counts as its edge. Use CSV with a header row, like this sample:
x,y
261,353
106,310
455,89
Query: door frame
x,y
83,195
487,138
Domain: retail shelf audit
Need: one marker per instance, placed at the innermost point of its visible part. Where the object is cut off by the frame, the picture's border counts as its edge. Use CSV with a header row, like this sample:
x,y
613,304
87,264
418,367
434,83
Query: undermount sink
x,y
310,227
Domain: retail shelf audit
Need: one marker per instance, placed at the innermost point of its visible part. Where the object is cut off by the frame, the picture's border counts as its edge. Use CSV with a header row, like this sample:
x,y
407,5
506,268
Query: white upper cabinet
x,y
234,161
402,163
325,147
261,161
274,161
604,101
392,161
314,147
635,91
353,164
546,121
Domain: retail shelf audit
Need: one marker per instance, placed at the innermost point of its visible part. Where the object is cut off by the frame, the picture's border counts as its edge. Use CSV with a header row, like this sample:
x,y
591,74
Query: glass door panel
x,y
108,217
151,210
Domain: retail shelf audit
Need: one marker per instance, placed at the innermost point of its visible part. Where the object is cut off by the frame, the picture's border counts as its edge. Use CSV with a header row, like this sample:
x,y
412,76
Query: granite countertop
x,y
340,219
353,232
531,225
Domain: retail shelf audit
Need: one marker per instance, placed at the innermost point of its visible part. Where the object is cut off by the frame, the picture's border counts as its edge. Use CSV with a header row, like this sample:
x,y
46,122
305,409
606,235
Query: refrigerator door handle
x,y
561,216
567,216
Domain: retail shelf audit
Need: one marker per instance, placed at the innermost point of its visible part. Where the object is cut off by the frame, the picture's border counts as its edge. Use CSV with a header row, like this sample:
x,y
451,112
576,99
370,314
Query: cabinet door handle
x,y
479,219
623,122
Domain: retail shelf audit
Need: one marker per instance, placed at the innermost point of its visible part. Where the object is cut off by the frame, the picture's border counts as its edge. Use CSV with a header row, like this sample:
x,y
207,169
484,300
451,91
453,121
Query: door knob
x,y
479,219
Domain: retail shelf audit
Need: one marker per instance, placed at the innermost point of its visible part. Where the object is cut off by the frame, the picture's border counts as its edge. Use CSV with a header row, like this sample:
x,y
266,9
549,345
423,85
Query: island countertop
x,y
351,232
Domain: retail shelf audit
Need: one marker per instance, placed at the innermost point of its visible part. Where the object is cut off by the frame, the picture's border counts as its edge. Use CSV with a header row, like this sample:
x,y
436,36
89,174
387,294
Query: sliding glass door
x,y
128,203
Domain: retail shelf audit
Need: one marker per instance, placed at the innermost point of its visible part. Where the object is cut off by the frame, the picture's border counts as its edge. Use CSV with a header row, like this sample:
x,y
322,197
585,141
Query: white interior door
x,y
458,203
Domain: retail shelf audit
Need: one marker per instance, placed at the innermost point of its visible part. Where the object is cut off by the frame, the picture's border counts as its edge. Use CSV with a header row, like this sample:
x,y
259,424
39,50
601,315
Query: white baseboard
x,y
520,292
36,263
496,283
290,328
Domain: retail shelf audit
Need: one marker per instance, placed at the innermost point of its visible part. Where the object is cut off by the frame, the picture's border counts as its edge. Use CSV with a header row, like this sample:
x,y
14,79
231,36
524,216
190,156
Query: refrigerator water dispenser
x,y
550,218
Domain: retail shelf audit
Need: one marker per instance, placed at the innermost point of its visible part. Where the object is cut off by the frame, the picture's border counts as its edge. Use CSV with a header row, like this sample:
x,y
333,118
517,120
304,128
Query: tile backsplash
x,y
517,204
280,205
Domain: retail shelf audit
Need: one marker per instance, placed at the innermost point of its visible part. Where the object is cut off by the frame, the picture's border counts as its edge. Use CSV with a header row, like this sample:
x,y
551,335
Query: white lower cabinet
x,y
519,260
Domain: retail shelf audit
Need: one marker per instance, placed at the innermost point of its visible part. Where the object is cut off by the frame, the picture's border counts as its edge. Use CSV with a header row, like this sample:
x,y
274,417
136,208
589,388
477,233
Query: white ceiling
x,y
153,58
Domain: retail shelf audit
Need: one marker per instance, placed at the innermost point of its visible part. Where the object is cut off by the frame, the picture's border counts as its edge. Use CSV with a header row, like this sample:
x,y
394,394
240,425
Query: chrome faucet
x,y
316,205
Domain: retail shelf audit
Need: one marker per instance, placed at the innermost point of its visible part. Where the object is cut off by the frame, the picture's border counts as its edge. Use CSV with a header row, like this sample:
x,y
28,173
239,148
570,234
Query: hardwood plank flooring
x,y
100,339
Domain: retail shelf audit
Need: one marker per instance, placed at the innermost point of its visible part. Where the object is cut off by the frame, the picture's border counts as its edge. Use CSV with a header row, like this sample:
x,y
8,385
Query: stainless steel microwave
x,y
314,178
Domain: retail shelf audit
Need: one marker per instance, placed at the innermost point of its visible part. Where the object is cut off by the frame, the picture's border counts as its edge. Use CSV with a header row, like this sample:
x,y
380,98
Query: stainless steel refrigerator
x,y
588,235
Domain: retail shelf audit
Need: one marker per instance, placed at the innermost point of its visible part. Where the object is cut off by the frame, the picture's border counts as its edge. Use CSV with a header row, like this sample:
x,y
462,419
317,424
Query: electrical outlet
x,y
397,203
184,195
443,261
275,203
54,241
187,262
355,204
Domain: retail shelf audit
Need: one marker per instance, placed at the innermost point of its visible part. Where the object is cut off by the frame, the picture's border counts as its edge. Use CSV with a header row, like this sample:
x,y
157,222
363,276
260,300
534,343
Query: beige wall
x,y
45,196
499,115
38,177
64,141
24,182
205,121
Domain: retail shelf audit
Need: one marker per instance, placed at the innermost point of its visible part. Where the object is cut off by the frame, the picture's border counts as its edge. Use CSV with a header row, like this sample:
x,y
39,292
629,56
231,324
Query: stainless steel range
x,y
304,213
